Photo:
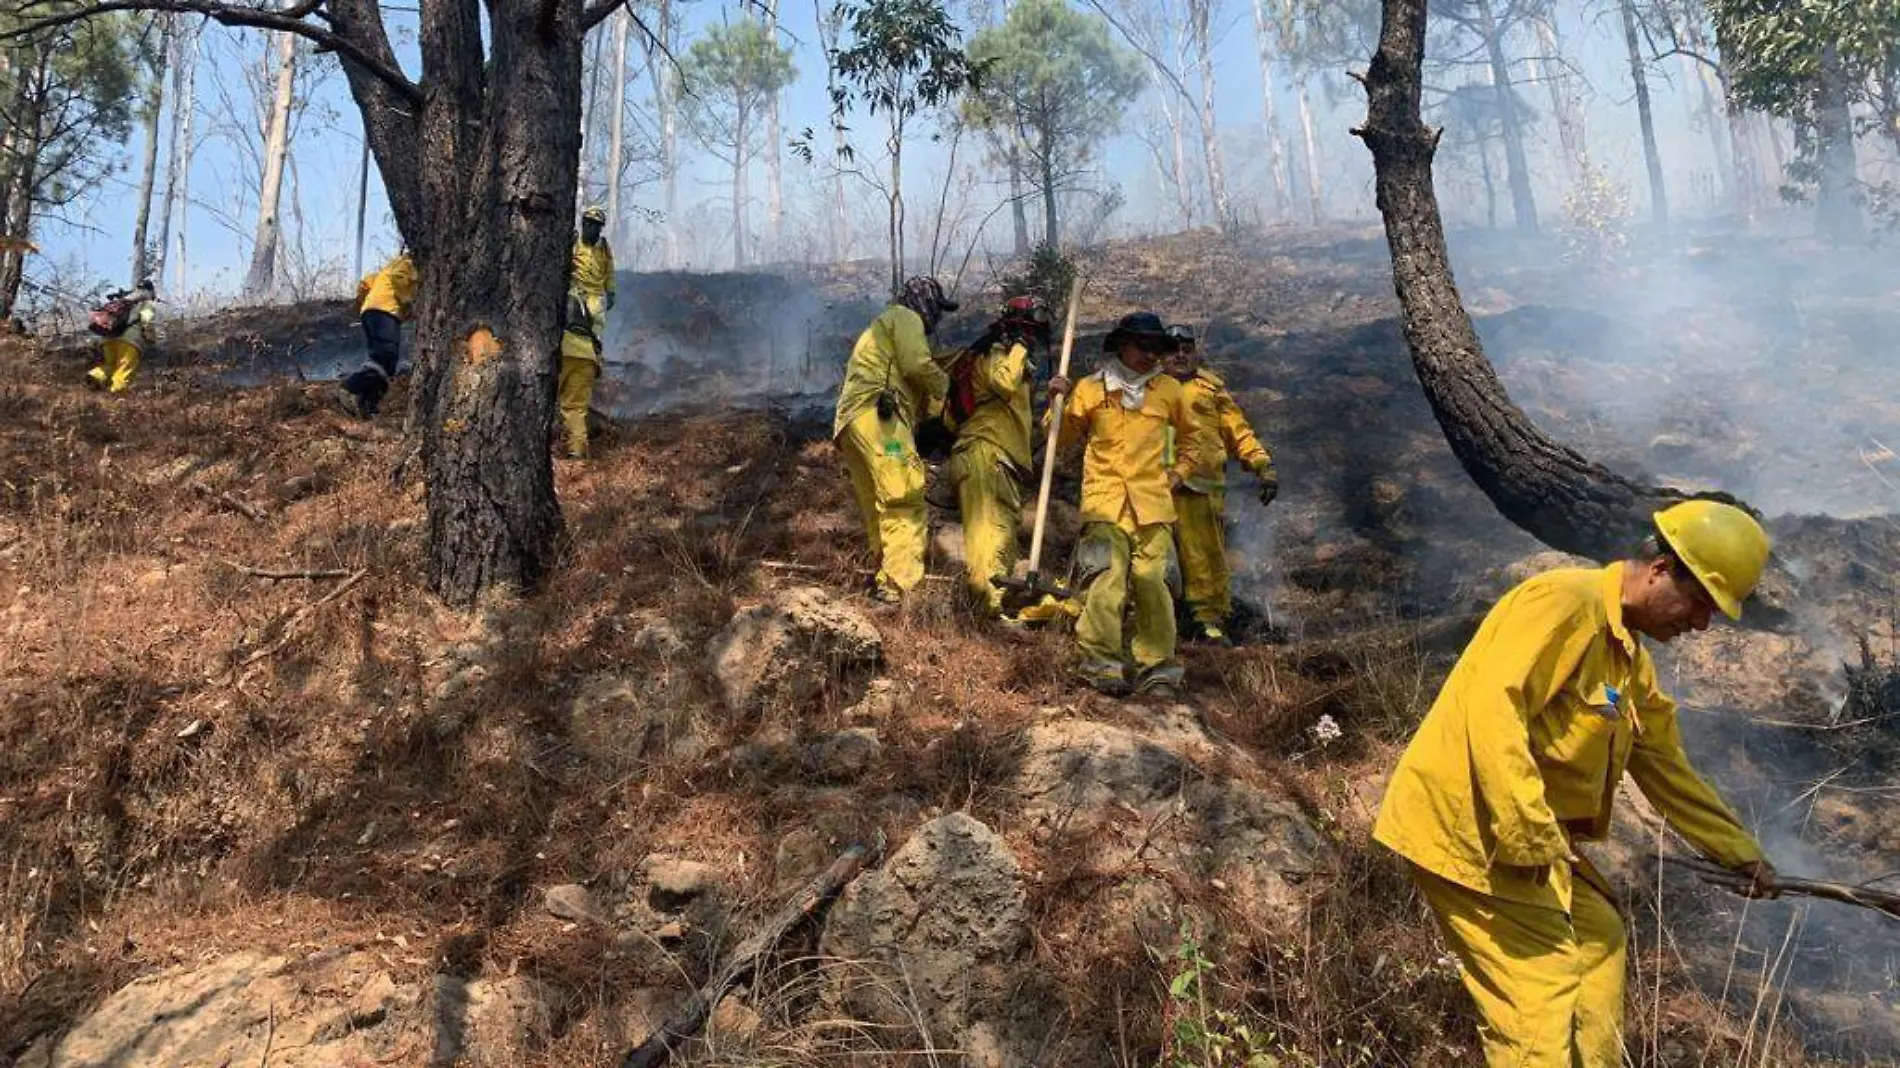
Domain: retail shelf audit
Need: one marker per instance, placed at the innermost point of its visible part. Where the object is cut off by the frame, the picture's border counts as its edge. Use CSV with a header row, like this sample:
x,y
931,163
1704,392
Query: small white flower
x,y
1326,731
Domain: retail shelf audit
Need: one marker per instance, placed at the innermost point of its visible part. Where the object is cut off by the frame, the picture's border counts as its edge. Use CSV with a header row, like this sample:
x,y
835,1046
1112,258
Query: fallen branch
x,y
684,1022
296,617
1866,898
785,565
255,572
250,511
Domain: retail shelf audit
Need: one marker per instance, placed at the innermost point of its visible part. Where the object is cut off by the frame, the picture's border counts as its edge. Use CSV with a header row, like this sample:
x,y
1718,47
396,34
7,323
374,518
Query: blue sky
x,y
94,246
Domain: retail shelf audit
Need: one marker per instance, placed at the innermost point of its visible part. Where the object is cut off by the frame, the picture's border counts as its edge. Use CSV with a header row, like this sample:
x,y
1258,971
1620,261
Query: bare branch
x,y
286,21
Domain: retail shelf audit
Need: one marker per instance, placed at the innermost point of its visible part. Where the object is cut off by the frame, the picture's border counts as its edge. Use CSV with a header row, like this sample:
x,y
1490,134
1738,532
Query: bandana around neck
x,y
1133,387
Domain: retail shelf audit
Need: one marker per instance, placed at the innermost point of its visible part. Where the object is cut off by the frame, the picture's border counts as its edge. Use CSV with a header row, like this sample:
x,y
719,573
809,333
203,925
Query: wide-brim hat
x,y
1140,327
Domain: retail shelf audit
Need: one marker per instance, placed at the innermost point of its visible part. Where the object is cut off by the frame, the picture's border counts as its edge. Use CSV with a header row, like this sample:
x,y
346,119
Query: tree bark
x,y
1516,165
1276,159
1315,192
1200,15
1652,156
617,139
1837,210
29,140
178,160
262,276
148,164
1553,492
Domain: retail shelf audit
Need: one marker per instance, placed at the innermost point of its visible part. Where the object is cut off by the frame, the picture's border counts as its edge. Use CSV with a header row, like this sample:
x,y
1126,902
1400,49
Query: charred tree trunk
x,y
1652,156
1516,165
1554,493
263,272
152,112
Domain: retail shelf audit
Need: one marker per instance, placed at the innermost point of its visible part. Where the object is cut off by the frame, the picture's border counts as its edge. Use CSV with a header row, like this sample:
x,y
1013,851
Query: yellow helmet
x,y
594,213
1722,546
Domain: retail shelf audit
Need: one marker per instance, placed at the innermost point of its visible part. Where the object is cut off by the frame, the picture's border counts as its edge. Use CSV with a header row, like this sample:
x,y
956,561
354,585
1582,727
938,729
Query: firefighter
x,y
590,296
1519,758
384,298
891,383
120,352
1124,413
988,409
1200,501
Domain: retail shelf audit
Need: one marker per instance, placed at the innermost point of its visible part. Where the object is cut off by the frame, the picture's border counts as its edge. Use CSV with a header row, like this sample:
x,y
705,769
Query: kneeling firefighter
x,y
1200,502
1520,758
1127,412
891,384
124,336
988,409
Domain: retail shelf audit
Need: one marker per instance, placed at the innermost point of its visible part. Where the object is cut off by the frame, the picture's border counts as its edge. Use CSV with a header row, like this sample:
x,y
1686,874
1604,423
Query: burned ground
x,y
200,759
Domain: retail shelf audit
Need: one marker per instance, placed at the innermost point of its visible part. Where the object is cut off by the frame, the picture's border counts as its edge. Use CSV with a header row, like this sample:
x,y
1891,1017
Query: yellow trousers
x,y
887,478
1198,534
118,362
1549,988
1126,560
575,393
990,502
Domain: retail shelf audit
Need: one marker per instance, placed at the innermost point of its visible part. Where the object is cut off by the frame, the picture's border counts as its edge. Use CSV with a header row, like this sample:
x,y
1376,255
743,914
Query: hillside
x,y
321,820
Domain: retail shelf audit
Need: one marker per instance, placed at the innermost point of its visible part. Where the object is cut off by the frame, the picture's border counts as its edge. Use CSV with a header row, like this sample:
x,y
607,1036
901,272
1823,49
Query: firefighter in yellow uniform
x,y
383,298
590,298
1200,501
1126,410
119,355
891,383
988,409
1520,757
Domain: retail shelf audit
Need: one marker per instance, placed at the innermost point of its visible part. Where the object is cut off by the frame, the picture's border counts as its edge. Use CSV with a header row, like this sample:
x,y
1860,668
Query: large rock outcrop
x,y
791,650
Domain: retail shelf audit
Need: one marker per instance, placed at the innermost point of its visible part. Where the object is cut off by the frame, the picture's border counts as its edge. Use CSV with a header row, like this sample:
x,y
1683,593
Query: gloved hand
x,y
610,300
1763,886
1269,482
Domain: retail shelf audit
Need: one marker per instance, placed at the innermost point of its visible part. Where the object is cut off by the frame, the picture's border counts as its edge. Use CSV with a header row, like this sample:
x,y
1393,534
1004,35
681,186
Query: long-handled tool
x,y
1865,897
1032,587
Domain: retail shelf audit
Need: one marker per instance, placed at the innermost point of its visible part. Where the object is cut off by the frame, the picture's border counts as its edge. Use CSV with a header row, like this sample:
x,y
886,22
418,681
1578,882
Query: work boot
x,y
1163,682
1104,677
96,378
354,404
1210,634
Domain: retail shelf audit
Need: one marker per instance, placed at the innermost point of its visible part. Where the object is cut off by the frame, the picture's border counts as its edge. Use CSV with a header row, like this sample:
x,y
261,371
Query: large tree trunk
x,y
1517,165
178,160
617,138
1553,492
259,280
1276,159
1652,156
1837,209
148,165
1199,16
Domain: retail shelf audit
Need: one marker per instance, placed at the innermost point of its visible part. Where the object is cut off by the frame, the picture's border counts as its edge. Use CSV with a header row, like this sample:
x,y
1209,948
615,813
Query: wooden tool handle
x,y
1055,430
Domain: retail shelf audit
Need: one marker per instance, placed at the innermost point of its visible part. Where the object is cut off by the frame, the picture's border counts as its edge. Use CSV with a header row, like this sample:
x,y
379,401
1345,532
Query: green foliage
x,y
727,78
1199,1035
1053,83
902,56
1047,276
69,95
1776,51
1596,226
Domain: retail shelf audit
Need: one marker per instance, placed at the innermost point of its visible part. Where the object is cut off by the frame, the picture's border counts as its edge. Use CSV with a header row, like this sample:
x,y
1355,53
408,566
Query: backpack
x,y
111,318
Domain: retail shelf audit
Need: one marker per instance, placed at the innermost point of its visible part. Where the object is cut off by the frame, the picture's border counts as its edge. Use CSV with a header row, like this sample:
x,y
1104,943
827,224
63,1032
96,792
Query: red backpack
x,y
111,318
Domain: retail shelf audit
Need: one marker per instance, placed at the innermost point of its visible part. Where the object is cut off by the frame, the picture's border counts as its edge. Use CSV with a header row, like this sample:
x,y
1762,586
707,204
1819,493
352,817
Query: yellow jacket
x,y
138,330
1551,703
892,353
391,289
1126,465
1223,431
593,268
1001,384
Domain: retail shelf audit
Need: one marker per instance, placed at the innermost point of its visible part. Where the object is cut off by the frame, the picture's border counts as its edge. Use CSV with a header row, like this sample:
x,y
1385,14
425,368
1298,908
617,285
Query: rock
x,y
573,902
626,720
334,1007
659,638
789,651
880,702
488,1023
733,1020
672,883
940,930
843,756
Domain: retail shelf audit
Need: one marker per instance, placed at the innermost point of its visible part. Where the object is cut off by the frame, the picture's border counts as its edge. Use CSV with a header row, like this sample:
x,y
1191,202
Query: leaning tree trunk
x,y
263,272
148,165
1652,156
1553,492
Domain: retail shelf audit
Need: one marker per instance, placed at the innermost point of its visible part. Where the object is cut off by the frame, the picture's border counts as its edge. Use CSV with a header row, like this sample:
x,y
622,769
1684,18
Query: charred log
x,y
1559,496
